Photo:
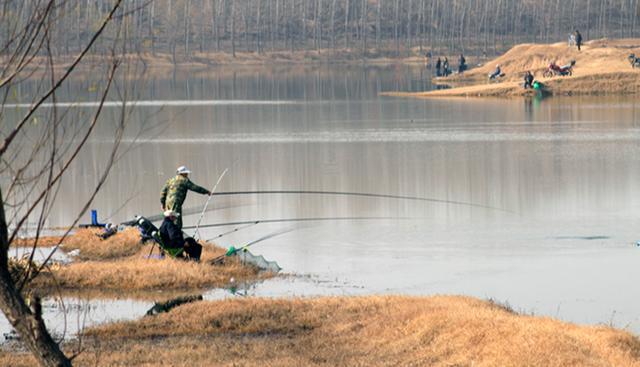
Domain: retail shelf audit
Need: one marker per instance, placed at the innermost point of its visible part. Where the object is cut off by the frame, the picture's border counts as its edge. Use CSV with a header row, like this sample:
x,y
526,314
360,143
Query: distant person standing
x,y
578,39
445,67
572,40
462,64
528,80
438,66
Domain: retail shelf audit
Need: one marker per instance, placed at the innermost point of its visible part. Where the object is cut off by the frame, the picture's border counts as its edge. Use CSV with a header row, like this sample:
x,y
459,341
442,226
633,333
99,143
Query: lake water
x,y
564,171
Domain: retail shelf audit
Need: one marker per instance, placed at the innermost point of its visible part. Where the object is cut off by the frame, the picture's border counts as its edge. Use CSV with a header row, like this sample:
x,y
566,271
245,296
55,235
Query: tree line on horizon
x,y
184,28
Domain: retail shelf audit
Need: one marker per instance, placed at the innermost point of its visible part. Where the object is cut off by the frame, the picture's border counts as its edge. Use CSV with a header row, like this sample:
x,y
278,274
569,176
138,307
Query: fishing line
x,y
232,231
251,223
185,212
370,195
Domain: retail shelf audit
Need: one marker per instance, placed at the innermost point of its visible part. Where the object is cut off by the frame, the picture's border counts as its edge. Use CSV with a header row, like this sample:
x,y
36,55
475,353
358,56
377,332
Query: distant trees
x,y
397,26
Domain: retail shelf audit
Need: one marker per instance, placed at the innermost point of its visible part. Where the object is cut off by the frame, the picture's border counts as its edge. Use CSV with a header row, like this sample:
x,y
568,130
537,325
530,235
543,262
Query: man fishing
x,y
172,236
175,190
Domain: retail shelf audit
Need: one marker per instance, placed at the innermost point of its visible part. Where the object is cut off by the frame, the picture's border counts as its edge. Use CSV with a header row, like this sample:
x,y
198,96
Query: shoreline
x,y
366,330
318,331
601,69
120,263
198,62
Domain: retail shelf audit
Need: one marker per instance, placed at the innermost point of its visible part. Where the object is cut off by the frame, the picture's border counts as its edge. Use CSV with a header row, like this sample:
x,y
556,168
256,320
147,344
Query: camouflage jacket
x,y
175,191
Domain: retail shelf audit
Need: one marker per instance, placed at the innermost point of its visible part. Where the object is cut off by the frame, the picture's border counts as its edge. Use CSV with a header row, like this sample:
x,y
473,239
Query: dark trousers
x,y
192,248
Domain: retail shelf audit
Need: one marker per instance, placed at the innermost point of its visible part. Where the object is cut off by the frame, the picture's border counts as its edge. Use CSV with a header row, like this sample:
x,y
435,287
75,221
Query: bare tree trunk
x,y
305,7
290,25
187,27
245,16
318,25
333,25
409,24
421,21
27,322
395,27
363,26
215,23
346,24
588,26
378,24
152,28
271,35
277,22
233,28
259,28
635,13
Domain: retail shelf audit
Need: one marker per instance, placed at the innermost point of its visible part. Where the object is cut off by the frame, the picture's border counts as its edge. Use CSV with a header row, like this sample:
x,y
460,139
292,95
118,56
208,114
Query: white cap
x,y
182,170
171,213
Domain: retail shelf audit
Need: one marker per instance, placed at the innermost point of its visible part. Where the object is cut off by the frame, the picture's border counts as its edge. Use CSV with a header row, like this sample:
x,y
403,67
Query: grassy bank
x,y
364,331
601,68
120,264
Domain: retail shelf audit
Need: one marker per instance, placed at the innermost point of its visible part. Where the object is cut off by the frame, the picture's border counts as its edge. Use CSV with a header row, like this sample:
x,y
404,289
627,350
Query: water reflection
x,y
568,168
166,306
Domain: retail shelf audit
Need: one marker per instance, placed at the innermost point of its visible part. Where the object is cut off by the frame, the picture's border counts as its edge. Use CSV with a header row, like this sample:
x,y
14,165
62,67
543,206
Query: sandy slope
x,y
601,68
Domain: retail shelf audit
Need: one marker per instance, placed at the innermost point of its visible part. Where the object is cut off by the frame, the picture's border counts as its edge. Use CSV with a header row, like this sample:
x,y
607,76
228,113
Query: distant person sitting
x,y
462,64
496,73
172,236
528,80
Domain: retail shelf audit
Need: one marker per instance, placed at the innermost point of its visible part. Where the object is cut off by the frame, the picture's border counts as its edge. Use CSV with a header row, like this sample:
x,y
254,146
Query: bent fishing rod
x,y
185,212
361,194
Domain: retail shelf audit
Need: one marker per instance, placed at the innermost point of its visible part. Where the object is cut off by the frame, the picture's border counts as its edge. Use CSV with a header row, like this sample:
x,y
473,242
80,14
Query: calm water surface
x,y
565,171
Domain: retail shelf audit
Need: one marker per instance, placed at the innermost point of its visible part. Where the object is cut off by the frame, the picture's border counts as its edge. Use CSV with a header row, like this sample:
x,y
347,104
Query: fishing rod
x,y
360,194
232,231
232,250
185,212
251,223
204,209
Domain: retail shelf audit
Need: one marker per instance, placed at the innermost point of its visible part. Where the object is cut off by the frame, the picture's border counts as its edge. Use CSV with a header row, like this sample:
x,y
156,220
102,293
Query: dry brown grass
x,y
601,68
364,331
122,244
137,274
120,264
45,241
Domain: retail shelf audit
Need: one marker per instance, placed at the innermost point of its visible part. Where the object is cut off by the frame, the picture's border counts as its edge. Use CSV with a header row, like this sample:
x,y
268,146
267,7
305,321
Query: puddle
x,y
67,317
41,254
